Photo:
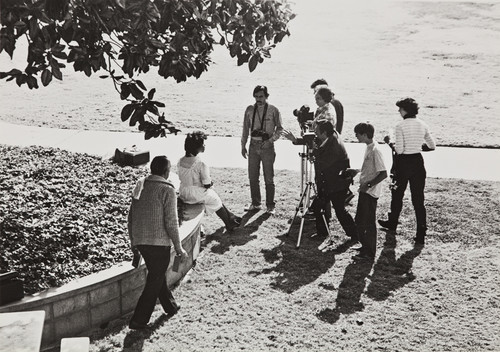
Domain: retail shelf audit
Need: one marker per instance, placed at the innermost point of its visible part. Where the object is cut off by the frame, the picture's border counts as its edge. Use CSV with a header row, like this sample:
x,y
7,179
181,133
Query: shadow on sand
x,y
298,267
388,275
238,237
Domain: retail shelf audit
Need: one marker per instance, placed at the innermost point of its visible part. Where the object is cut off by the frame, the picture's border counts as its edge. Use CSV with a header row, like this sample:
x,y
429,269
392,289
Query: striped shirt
x,y
411,133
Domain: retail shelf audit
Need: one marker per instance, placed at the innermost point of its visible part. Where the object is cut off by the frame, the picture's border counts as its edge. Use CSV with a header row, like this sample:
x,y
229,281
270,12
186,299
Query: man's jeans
x,y
157,259
366,223
260,151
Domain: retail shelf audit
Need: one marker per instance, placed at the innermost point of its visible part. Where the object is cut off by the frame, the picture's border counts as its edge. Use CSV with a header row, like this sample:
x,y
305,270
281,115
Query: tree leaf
x,y
151,94
252,63
127,111
46,77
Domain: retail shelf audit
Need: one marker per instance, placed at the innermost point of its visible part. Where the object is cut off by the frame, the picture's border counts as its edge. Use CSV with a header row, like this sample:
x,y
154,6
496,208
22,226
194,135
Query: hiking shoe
x,y
387,225
252,207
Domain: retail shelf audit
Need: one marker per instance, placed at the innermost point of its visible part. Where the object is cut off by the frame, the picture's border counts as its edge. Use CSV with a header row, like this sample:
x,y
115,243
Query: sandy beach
x,y
443,54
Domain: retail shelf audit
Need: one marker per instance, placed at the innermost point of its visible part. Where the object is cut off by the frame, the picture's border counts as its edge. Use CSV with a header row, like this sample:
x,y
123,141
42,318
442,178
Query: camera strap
x,y
263,120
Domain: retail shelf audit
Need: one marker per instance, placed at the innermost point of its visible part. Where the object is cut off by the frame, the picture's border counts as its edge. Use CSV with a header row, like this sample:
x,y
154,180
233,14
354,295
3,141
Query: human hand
x,y
289,135
183,254
363,187
425,148
244,152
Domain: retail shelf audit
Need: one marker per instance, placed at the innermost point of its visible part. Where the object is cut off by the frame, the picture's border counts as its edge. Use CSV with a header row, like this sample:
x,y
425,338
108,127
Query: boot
x,y
421,233
233,217
390,224
225,216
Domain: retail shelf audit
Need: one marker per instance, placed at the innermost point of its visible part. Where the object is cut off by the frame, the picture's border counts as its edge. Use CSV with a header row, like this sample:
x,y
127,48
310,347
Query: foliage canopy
x,y
129,37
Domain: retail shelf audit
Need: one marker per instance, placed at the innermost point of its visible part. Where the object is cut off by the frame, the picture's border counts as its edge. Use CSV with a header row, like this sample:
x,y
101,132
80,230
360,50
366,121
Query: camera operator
x,y
330,160
263,122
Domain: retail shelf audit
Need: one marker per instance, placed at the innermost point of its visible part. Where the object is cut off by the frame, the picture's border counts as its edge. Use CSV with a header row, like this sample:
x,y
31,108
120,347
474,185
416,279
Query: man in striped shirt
x,y
411,137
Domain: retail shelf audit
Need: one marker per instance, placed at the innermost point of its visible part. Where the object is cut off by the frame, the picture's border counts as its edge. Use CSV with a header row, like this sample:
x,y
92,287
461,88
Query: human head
x,y
364,128
319,82
160,166
407,107
260,94
195,142
324,129
323,96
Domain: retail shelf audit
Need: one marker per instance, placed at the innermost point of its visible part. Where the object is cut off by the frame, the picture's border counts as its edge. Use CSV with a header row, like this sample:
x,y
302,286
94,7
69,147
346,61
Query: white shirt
x,y
373,163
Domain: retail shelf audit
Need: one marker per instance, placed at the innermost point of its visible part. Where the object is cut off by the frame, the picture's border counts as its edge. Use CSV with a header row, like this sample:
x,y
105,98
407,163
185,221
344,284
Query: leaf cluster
x,y
63,215
133,36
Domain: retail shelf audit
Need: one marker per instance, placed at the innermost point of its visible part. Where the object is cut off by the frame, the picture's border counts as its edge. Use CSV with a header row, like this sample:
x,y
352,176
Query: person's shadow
x,y
390,274
296,267
349,292
238,237
134,340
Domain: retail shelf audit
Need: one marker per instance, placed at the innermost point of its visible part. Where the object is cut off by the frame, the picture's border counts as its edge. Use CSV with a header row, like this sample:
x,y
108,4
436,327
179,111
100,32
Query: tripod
x,y
307,186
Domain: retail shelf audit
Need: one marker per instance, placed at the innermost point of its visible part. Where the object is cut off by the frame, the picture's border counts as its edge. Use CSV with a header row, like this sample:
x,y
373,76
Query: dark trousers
x,y
338,203
261,153
157,259
409,169
366,214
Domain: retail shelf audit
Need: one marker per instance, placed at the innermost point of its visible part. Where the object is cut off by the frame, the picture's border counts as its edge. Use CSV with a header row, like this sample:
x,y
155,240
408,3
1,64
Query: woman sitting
x,y
196,183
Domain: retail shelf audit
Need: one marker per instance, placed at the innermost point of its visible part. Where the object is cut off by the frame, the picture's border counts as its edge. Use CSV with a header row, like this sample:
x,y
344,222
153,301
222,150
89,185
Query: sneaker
x,y
387,225
270,210
327,242
252,207
358,248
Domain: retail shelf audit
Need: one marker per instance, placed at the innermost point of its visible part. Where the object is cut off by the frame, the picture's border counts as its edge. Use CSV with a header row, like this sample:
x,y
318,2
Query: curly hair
x,y
325,93
409,105
194,141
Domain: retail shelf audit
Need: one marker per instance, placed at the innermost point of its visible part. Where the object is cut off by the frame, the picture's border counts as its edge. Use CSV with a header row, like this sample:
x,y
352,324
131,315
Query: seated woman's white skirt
x,y
195,195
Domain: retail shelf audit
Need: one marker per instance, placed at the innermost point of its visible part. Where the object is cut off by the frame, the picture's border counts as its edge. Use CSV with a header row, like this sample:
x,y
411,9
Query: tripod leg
x,y
307,194
297,210
326,224
291,224
300,232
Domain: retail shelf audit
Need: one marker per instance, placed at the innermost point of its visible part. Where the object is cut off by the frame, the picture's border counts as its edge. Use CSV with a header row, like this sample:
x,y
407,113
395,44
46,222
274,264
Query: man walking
x,y
262,121
411,133
153,228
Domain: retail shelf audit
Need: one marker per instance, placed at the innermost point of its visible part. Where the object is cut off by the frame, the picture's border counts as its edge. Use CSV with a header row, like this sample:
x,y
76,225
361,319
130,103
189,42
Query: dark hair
x,y
160,165
325,93
261,89
319,82
194,141
325,126
365,128
409,105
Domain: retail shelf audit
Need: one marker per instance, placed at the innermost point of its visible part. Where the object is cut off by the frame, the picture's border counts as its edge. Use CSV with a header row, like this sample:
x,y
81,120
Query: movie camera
x,y
305,118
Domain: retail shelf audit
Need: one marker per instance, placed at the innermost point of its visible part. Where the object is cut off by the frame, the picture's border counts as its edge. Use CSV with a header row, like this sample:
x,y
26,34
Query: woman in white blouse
x,y
196,183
